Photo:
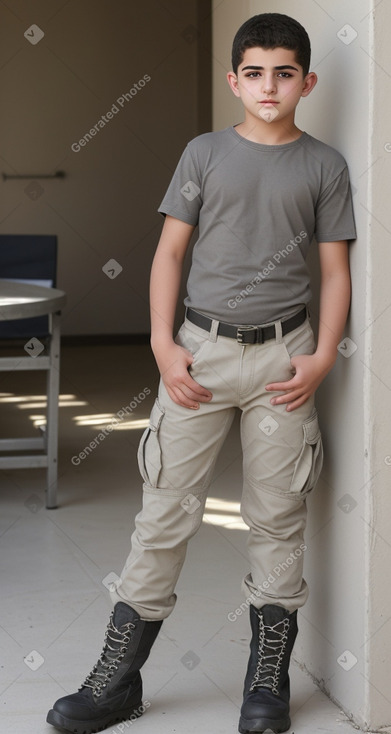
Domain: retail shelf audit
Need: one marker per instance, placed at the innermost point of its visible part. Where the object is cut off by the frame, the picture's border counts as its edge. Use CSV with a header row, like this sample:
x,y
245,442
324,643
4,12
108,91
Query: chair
x,y
32,260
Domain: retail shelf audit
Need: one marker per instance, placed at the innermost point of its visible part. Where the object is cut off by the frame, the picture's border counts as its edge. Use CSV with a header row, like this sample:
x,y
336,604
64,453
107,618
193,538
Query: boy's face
x,y
270,83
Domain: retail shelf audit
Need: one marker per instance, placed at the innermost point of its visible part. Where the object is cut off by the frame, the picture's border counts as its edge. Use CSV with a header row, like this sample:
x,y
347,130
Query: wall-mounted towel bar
x,y
57,174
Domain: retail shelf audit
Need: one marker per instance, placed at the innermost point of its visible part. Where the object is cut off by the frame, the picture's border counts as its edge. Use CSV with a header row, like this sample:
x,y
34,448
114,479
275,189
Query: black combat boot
x,y
112,691
266,688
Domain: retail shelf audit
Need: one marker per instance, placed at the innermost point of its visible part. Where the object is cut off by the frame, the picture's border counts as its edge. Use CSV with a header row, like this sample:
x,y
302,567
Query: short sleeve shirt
x,y
258,208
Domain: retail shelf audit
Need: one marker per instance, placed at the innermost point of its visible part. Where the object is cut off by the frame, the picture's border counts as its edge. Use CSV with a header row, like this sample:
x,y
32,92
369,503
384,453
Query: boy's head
x,y
270,60
269,31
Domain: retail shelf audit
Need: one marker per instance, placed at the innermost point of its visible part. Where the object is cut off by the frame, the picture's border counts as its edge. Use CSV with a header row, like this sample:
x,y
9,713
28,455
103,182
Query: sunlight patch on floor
x,y
224,513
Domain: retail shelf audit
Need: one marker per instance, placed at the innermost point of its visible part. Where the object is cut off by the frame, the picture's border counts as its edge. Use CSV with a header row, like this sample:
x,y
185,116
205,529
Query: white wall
x,y
349,552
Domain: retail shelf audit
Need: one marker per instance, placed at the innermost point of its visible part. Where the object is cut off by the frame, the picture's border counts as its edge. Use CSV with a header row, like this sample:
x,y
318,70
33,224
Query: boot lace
x,y
272,644
115,646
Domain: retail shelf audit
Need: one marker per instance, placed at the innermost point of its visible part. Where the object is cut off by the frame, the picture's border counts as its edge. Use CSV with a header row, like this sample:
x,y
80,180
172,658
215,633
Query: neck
x,y
273,133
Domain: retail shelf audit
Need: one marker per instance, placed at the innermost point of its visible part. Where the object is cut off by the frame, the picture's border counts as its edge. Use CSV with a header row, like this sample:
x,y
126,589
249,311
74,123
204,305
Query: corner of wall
x,y
377,388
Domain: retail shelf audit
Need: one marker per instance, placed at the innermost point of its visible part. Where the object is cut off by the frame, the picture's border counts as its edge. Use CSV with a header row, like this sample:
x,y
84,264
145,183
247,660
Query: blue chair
x,y
30,259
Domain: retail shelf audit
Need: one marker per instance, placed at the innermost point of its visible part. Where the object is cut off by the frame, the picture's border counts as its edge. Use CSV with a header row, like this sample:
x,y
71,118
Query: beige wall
x,y
345,638
378,397
52,93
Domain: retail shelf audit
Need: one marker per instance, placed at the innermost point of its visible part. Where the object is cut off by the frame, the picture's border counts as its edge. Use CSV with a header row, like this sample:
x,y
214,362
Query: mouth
x,y
269,101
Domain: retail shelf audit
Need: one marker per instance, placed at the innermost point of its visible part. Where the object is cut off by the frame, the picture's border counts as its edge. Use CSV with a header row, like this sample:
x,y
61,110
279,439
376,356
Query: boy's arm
x,y
172,360
335,290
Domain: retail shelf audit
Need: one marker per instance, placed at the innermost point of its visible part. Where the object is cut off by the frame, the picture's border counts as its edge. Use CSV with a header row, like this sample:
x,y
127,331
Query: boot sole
x,y
90,727
251,726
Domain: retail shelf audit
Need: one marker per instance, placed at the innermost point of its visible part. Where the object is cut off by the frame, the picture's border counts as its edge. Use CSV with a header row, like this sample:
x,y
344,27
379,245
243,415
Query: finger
x,y
289,396
297,403
189,397
281,385
181,399
178,397
190,388
200,392
194,396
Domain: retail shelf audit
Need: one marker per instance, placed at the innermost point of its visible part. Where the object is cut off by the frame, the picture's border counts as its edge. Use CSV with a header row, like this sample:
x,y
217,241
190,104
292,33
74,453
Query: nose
x,y
269,85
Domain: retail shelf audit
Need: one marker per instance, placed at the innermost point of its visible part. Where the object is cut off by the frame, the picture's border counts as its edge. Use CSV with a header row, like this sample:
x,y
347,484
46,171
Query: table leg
x,y
53,385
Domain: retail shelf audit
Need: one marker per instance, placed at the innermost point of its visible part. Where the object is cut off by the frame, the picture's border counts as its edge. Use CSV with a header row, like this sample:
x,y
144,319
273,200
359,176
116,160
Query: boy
x,y
258,191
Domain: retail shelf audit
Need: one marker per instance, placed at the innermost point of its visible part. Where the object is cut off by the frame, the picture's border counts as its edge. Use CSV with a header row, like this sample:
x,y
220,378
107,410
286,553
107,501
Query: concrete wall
x,y
344,640
53,92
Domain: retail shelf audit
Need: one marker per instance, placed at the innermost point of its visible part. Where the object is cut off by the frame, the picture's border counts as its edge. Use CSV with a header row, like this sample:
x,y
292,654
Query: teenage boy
x,y
258,192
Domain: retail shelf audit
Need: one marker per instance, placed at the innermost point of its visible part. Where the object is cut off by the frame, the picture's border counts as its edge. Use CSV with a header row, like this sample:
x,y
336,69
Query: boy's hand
x,y
310,369
173,362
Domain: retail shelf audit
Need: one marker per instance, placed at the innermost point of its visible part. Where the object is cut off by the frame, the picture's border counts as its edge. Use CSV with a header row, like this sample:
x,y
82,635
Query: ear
x,y
309,83
233,83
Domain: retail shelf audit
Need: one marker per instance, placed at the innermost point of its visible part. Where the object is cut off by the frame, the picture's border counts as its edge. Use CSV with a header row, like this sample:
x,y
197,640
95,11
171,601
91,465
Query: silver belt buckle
x,y
242,330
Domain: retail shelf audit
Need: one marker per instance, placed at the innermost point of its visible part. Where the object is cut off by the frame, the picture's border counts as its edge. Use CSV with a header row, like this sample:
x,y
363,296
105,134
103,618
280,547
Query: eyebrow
x,y
276,68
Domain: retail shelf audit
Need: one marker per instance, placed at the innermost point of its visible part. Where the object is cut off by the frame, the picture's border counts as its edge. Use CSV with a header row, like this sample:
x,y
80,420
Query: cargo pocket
x,y
149,453
310,460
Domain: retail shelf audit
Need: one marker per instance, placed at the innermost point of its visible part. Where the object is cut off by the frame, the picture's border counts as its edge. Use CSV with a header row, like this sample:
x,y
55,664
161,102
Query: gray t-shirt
x,y
258,208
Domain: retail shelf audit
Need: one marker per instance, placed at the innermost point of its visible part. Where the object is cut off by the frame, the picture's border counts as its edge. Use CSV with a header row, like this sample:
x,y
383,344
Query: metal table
x,y
20,301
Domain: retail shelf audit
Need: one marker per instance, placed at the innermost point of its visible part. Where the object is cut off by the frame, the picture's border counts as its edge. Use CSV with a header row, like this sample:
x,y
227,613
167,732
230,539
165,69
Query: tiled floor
x,y
54,565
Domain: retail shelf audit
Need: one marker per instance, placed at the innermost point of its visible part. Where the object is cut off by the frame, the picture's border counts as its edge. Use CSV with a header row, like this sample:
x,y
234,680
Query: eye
x,y
253,74
285,74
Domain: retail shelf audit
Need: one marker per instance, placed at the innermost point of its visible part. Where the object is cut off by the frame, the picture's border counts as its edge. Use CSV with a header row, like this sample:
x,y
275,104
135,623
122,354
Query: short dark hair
x,y
272,30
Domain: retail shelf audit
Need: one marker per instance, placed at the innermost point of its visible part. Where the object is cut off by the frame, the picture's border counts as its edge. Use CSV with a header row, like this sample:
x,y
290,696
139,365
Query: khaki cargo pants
x,y
282,459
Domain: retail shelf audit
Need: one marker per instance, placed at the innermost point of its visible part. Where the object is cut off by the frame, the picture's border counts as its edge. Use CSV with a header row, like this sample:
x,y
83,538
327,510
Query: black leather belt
x,y
247,334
